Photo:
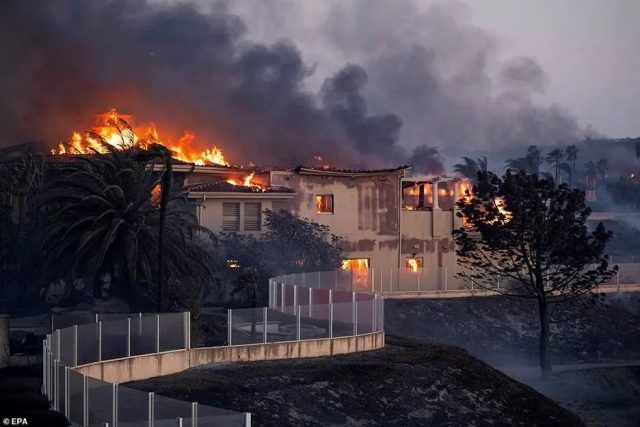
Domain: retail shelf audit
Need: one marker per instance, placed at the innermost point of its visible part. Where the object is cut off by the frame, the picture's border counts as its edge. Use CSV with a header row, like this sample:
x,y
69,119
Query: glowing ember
x,y
116,132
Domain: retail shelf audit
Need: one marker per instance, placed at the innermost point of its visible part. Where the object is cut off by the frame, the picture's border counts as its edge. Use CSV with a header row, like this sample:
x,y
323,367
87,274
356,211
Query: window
x,y
230,216
414,264
233,263
359,271
252,216
324,203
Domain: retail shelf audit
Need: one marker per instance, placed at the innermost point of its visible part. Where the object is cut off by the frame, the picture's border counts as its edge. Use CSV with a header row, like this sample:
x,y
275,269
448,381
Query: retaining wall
x,y
136,368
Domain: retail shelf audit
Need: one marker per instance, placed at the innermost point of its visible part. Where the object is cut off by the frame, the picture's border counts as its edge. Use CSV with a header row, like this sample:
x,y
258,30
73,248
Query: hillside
x,y
505,331
407,383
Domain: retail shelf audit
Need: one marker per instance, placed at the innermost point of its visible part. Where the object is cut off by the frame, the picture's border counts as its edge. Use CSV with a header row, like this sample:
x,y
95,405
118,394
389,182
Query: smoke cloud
x,y
423,79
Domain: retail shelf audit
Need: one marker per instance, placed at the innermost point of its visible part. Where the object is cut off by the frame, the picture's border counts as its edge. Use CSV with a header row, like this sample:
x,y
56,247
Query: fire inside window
x,y
355,264
233,263
324,203
414,264
359,271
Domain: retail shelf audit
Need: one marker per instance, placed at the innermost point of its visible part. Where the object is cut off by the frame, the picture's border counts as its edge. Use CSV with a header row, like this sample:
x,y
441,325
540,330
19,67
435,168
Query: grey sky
x,y
588,49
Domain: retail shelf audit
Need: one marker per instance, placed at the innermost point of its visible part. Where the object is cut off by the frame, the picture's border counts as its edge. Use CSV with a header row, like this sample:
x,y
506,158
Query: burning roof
x,y
329,171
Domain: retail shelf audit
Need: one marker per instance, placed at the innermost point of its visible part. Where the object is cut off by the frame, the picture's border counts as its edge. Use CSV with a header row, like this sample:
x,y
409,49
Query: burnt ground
x,y
590,340
504,331
408,383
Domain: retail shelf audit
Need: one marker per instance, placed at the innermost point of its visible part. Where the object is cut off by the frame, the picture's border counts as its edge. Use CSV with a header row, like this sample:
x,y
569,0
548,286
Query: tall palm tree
x,y
602,165
470,168
102,219
530,163
572,155
554,158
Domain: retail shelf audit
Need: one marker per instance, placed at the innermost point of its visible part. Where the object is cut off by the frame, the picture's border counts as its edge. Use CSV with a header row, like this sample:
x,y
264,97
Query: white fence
x,y
87,401
324,309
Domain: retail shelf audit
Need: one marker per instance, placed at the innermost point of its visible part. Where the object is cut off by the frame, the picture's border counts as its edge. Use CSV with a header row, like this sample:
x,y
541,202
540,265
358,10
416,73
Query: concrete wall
x,y
142,367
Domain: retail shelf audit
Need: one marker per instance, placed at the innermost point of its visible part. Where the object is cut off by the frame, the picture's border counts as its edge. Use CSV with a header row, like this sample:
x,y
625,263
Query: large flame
x,y
115,130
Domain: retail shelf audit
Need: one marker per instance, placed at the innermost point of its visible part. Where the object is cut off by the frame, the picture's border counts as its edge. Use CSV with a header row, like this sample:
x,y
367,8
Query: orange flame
x,y
412,263
117,135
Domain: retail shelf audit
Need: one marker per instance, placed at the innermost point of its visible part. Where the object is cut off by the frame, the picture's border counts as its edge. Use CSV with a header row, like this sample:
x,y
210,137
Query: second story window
x,y
231,217
324,203
252,216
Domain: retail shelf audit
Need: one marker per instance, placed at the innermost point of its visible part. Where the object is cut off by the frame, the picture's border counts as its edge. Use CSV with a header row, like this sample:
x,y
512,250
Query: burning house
x,y
388,219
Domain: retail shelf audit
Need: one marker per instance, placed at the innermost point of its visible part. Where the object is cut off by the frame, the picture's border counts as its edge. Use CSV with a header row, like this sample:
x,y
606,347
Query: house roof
x,y
303,170
225,187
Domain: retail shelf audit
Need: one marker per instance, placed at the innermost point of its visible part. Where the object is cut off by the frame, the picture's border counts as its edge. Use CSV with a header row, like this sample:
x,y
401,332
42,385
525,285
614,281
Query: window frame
x,y
333,206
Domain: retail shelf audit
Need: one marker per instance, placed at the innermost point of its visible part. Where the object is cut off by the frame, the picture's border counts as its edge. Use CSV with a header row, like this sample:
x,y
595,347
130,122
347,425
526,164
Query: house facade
x,y
387,219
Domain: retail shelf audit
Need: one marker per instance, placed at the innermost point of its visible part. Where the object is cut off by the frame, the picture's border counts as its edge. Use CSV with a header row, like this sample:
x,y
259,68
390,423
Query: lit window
x,y
414,264
355,264
233,263
359,271
324,203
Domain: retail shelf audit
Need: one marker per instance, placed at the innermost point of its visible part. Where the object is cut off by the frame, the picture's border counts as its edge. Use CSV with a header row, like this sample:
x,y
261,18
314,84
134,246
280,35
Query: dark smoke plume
x,y
183,69
424,80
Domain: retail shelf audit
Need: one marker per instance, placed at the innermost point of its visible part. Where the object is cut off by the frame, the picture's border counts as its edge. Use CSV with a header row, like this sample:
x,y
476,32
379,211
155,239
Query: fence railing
x,y
88,401
285,291
304,311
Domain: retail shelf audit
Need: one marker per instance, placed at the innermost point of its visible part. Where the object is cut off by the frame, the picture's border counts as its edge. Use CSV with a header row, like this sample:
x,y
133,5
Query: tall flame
x,y
114,129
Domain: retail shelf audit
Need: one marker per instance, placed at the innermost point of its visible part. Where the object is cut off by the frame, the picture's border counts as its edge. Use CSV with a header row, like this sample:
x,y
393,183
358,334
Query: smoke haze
x,y
401,80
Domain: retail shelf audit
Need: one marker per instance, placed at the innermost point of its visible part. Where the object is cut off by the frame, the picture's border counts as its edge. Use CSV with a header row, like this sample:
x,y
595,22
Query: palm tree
x,y
530,163
602,166
572,155
102,219
554,158
567,170
590,172
471,167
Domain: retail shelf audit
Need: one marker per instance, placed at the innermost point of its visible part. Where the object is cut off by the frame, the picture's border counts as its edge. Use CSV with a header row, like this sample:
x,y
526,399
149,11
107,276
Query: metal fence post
x,y
128,336
75,345
44,368
265,325
374,310
298,324
100,341
419,274
446,277
194,414
157,333
229,319
66,392
187,329
282,297
330,313
151,409
390,279
247,419
85,400
354,311
56,385
295,297
114,404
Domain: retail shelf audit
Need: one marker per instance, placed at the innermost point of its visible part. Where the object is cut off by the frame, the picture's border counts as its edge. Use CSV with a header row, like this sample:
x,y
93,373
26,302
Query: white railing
x,y
298,310
321,310
87,401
